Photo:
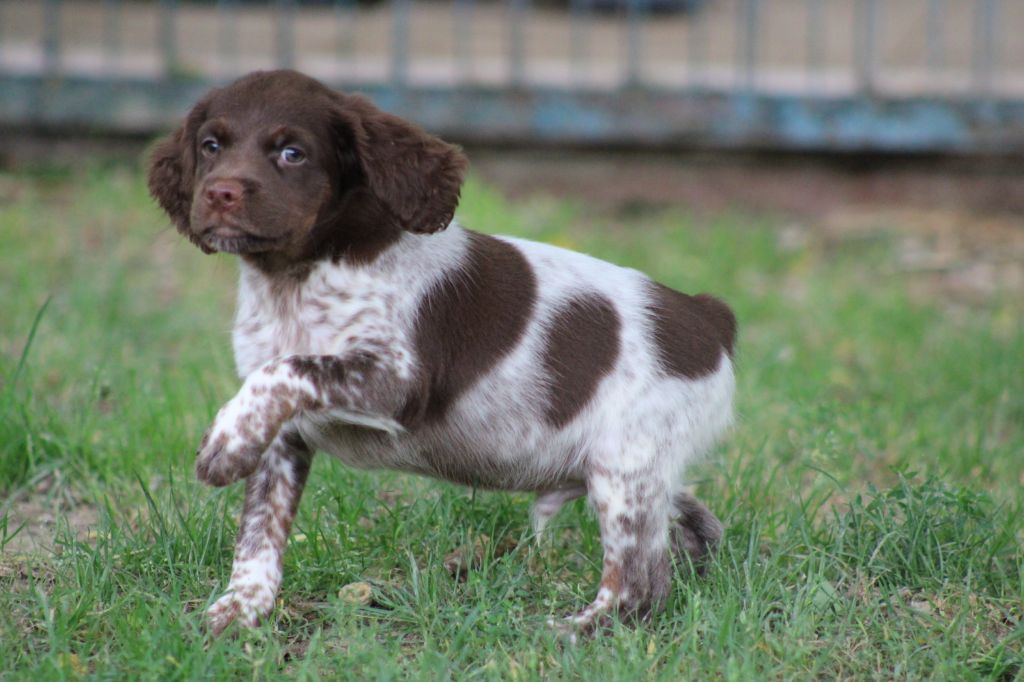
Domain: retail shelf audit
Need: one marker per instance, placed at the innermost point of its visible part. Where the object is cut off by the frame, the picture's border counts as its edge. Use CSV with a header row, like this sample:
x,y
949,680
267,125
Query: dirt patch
x,y
962,255
809,186
39,516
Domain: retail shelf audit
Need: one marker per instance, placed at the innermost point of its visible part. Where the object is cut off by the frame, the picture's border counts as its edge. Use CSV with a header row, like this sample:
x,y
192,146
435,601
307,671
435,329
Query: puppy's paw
x,y
220,462
244,606
586,623
230,450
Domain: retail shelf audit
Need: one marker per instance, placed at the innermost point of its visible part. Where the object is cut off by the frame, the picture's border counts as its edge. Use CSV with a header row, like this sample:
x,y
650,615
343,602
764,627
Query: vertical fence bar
x,y
697,44
634,40
985,46
579,38
815,38
168,36
400,42
866,33
749,19
517,41
112,34
344,25
284,35
936,37
463,26
51,37
228,35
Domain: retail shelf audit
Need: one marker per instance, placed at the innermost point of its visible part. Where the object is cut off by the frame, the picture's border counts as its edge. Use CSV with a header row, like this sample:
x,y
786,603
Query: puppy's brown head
x,y
280,169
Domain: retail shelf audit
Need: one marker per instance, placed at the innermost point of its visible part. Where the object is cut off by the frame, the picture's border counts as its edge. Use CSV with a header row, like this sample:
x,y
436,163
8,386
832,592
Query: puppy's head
x,y
278,167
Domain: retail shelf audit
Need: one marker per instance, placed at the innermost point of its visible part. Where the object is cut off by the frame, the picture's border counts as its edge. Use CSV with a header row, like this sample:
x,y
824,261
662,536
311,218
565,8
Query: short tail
x,y
721,318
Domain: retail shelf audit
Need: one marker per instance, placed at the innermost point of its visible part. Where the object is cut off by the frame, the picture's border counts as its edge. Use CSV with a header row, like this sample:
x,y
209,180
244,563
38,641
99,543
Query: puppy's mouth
x,y
234,239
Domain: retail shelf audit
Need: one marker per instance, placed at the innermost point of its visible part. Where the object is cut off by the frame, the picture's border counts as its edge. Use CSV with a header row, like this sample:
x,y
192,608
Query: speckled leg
x,y
633,513
272,496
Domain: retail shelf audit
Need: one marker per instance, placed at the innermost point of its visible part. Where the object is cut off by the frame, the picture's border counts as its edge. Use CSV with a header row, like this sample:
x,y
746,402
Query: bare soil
x,y
41,514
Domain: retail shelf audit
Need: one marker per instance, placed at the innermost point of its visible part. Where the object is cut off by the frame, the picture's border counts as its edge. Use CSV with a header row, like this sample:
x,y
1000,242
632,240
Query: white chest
x,y
332,310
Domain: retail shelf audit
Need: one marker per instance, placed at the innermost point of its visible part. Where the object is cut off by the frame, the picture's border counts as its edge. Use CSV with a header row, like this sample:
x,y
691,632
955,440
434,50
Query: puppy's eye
x,y
210,146
292,156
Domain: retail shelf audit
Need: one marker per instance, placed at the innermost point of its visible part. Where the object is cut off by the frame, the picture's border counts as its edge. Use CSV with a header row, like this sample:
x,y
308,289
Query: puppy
x,y
373,327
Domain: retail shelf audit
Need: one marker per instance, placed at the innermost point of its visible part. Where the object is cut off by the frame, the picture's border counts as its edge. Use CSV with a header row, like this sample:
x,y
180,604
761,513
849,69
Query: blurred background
x,y
823,75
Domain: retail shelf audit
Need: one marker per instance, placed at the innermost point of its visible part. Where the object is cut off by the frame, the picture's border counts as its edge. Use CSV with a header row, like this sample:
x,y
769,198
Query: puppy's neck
x,y
278,266
409,260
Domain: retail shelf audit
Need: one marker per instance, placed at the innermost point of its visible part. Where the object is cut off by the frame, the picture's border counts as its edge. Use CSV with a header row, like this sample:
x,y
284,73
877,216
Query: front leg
x,y
272,495
360,388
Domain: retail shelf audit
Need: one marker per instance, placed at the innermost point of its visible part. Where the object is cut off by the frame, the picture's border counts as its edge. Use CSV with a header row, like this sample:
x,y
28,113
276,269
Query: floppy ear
x,y
172,170
415,175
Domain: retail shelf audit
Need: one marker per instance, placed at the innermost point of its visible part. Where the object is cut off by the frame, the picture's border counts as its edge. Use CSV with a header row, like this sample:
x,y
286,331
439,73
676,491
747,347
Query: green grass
x,y
872,489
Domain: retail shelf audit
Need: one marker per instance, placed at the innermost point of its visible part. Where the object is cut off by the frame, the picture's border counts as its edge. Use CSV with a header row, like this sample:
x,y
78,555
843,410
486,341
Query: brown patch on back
x,y
690,332
469,322
581,348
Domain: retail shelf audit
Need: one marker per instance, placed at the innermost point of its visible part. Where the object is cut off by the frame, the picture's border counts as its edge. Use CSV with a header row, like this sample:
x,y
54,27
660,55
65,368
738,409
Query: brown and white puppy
x,y
372,327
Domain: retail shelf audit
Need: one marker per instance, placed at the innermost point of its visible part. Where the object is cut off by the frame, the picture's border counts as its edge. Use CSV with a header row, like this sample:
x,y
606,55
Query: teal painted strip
x,y
698,119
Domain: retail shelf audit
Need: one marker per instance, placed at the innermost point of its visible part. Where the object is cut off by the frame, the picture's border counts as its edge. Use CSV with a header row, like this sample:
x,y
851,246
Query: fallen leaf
x,y
360,594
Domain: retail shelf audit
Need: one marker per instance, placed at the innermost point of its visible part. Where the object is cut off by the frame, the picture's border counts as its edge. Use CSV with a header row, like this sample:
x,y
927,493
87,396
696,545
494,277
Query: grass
x,y
872,489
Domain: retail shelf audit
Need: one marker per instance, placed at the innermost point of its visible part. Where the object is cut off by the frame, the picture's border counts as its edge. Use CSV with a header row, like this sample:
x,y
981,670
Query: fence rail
x,y
904,75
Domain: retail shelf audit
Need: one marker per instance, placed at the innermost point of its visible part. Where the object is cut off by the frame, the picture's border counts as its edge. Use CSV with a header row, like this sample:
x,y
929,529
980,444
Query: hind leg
x,y
633,512
547,505
695,532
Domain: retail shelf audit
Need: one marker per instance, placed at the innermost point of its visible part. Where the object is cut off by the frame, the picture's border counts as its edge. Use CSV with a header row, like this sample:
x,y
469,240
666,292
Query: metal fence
x,y
847,75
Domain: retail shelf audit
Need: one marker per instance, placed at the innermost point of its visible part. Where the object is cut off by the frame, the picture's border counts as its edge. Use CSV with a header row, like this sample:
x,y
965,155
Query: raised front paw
x,y
243,605
231,448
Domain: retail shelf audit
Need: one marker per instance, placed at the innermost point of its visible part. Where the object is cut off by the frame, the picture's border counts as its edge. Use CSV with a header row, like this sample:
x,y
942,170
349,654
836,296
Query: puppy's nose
x,y
224,194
